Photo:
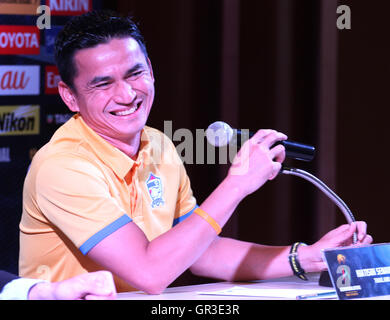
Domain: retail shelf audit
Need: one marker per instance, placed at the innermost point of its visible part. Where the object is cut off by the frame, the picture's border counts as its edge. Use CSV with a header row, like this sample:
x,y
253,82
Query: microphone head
x,y
219,134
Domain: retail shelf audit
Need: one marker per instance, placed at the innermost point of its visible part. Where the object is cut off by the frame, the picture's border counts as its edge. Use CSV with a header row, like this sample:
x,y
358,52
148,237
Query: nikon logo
x,y
19,120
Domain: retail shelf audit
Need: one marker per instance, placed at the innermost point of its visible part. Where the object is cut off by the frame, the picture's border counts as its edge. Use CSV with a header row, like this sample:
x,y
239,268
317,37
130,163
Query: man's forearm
x,y
234,260
188,241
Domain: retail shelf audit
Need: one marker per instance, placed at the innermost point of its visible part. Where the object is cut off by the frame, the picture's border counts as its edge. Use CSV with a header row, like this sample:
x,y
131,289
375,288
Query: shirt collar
x,y
120,163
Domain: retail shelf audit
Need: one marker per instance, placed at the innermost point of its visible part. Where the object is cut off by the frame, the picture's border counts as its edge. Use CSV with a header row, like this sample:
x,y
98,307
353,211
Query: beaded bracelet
x,y
294,262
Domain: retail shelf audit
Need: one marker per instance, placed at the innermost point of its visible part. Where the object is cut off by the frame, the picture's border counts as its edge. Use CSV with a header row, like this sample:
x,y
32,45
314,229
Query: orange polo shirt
x,y
80,189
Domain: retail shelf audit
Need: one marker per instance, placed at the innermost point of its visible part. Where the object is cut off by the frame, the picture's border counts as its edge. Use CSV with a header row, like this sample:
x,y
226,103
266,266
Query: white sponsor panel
x,y
16,80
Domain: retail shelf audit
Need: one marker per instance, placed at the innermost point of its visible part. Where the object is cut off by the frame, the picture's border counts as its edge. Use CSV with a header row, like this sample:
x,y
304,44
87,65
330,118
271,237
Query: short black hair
x,y
87,31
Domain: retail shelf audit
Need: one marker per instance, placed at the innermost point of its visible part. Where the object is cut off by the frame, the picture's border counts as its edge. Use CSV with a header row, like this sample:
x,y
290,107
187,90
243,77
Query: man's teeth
x,y
126,112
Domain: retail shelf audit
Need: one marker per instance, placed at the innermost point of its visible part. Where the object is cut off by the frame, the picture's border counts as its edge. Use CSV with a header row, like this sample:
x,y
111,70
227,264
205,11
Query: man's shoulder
x,y
59,155
66,142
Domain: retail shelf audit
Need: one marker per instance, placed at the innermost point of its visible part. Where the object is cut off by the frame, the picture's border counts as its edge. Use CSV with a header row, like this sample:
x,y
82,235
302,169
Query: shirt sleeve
x,y
186,202
73,195
18,289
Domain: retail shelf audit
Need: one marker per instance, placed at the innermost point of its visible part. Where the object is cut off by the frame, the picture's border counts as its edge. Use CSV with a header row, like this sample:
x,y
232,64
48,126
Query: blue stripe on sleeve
x,y
184,216
106,231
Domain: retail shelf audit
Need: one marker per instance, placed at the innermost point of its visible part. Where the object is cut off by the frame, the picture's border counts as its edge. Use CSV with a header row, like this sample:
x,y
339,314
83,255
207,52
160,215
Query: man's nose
x,y
124,93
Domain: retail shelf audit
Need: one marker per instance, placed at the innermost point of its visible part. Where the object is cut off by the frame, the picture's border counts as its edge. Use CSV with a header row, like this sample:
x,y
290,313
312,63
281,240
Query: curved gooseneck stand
x,y
220,134
324,278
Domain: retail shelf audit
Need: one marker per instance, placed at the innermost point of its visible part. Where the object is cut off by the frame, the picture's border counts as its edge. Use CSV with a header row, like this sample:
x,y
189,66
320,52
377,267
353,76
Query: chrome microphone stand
x,y
324,278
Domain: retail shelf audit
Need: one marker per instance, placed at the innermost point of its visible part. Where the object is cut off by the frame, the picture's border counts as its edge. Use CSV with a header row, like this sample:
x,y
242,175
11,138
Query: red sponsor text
x,y
19,40
52,78
69,7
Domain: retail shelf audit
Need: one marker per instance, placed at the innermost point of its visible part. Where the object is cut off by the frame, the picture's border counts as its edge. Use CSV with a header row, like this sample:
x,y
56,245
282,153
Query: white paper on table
x,y
265,292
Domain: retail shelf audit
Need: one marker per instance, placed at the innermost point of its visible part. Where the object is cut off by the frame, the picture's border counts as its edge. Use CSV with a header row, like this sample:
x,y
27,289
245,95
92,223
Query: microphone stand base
x,y
324,280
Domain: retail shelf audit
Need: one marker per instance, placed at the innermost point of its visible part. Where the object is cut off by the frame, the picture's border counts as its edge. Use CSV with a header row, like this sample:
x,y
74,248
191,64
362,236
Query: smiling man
x,y
117,80
109,192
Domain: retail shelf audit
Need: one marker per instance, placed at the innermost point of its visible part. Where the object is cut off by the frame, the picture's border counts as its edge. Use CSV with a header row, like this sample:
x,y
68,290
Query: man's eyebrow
x,y
99,79
135,68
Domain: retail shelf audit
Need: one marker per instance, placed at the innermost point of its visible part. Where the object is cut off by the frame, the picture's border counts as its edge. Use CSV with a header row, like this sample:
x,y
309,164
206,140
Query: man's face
x,y
114,89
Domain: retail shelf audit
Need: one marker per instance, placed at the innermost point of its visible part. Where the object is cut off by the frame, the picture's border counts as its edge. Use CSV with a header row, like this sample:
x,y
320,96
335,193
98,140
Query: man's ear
x,y
68,96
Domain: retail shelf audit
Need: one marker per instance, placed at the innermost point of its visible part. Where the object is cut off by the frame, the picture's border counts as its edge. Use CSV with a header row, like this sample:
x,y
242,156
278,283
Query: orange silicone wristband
x,y
209,219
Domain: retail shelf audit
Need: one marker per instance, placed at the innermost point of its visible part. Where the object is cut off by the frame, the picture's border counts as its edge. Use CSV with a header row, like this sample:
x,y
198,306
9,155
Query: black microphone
x,y
220,134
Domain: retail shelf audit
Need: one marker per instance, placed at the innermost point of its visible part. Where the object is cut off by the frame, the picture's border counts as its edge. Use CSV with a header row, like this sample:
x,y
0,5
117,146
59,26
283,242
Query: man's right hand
x,y
257,161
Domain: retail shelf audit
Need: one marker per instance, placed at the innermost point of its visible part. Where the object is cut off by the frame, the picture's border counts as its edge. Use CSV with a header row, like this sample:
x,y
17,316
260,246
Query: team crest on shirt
x,y
155,189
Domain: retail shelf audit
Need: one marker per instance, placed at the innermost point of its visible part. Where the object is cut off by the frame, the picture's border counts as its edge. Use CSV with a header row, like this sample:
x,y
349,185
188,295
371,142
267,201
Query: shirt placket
x,y
136,198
